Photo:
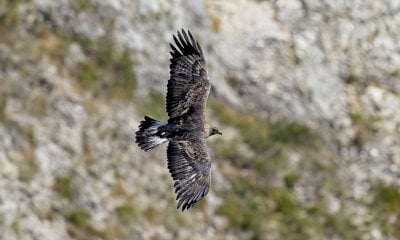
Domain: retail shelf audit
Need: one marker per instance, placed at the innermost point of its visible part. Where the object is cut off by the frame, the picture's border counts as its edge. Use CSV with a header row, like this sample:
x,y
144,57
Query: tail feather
x,y
148,135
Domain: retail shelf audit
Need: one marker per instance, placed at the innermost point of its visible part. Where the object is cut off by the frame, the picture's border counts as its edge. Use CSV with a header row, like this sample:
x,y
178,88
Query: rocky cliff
x,y
307,94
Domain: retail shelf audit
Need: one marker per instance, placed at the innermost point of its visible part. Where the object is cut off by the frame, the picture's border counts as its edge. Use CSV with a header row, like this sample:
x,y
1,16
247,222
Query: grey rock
x,y
330,65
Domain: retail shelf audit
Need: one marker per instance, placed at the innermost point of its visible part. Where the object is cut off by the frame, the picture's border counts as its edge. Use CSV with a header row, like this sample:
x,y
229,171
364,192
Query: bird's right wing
x,y
188,86
190,167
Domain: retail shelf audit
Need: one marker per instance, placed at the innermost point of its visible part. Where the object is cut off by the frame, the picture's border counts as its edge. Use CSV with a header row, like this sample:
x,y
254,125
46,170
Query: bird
x,y
186,130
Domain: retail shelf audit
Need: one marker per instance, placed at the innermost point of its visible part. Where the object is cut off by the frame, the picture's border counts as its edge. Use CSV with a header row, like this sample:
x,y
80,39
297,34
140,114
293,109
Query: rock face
x,y
307,94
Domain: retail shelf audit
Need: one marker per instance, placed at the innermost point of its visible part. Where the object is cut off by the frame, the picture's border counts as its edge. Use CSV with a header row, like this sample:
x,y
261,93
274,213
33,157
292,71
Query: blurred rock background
x,y
307,94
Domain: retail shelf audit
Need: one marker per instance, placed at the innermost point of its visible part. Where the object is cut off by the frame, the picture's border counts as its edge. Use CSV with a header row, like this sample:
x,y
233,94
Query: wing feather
x,y
188,86
190,167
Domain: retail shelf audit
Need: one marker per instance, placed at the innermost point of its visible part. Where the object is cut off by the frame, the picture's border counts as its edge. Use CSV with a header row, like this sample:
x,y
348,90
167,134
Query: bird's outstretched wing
x,y
188,86
190,166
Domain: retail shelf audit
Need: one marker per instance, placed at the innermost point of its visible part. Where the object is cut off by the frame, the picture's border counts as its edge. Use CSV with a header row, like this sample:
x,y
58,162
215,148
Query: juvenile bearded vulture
x,y
186,129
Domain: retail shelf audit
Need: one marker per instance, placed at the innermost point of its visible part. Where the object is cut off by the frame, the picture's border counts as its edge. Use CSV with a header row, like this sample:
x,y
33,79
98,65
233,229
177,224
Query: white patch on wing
x,y
154,127
157,140
193,175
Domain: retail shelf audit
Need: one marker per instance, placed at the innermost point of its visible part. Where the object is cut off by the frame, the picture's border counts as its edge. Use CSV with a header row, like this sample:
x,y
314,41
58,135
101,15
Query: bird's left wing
x,y
190,167
188,86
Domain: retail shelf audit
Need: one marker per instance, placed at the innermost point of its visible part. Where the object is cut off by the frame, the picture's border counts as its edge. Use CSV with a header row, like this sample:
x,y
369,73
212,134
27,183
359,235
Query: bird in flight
x,y
186,129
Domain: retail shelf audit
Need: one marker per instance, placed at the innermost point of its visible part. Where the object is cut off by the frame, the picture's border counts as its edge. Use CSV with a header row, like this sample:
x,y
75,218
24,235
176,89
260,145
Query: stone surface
x,y
331,65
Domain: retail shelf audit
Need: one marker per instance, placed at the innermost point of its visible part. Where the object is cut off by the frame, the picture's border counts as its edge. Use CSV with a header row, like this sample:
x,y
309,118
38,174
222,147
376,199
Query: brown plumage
x,y
186,130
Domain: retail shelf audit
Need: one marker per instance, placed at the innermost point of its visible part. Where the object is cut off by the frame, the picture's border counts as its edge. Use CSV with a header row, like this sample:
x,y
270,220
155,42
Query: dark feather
x,y
188,86
190,166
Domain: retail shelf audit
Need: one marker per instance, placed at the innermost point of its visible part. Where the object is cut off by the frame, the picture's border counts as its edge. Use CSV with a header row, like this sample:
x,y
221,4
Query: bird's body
x,y
186,128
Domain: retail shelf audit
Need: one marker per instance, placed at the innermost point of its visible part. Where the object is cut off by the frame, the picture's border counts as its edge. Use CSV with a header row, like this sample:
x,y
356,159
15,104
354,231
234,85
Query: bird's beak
x,y
220,133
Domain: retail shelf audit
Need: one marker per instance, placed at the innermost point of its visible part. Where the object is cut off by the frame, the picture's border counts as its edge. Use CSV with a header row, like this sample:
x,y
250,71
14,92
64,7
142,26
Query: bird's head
x,y
211,130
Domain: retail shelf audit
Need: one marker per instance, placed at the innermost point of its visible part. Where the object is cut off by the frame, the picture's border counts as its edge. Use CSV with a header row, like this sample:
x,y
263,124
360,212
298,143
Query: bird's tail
x,y
148,136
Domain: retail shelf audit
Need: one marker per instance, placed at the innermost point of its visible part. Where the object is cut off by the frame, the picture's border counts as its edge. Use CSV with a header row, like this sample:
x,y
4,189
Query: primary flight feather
x,y
186,129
